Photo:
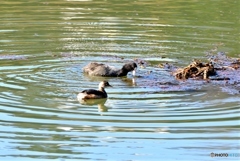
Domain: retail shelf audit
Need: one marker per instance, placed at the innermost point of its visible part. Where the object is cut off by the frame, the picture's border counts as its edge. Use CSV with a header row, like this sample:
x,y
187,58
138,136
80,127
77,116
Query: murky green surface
x,y
45,44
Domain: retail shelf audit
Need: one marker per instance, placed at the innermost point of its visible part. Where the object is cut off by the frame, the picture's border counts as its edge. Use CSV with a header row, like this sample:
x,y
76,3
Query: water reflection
x,y
130,81
99,102
45,45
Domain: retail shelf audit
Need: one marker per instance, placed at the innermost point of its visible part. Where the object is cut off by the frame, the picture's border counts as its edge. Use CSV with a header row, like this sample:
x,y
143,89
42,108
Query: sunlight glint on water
x,y
44,46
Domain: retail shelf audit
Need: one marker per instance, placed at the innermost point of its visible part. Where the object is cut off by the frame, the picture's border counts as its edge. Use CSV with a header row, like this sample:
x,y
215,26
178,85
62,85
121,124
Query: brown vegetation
x,y
196,69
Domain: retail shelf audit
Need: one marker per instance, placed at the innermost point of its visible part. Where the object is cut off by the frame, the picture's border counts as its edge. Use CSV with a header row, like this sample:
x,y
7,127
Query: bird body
x,y
94,94
99,69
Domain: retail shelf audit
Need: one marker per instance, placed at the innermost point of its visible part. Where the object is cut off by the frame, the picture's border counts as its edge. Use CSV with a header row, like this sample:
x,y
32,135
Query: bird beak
x,y
134,72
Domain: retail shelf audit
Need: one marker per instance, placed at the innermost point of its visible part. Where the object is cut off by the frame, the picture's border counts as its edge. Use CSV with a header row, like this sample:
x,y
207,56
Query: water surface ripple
x,y
44,47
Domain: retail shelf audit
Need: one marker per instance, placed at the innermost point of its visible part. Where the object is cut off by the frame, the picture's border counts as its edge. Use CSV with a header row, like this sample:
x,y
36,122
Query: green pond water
x,y
44,45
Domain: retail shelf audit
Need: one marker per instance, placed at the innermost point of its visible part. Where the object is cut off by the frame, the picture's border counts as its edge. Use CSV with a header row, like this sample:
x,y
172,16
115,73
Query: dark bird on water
x,y
94,94
99,69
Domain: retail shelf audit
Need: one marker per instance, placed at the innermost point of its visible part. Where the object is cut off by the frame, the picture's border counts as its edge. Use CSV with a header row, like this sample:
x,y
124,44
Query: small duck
x,y
94,94
97,69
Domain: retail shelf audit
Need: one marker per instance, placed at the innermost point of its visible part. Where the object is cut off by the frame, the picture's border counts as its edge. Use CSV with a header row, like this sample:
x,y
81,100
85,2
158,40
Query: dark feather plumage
x,y
99,69
94,94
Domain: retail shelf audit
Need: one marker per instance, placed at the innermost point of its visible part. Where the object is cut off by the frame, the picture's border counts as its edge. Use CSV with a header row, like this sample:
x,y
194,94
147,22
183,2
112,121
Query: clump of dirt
x,y
219,69
196,69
